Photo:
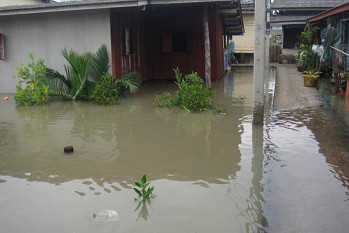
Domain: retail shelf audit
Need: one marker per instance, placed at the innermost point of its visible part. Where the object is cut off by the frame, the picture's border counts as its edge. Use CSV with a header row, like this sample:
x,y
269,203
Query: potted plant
x,y
311,77
344,83
299,56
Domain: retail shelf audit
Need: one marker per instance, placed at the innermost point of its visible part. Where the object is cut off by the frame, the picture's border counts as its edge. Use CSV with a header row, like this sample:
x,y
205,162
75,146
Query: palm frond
x,y
80,69
100,64
130,82
58,84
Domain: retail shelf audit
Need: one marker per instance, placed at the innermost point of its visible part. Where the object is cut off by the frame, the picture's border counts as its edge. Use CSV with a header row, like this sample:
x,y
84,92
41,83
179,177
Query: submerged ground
x,y
211,173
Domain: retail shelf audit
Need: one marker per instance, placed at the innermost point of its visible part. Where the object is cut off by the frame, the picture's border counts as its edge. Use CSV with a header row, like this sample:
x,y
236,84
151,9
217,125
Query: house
x,y
291,16
149,36
244,45
340,17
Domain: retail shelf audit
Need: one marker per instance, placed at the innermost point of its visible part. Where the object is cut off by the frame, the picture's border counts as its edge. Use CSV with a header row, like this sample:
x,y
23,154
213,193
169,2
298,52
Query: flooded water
x,y
211,173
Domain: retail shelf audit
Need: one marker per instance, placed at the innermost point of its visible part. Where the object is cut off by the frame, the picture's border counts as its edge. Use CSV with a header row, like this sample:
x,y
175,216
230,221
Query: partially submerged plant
x,y
143,191
76,83
221,111
109,90
192,95
36,89
164,100
87,78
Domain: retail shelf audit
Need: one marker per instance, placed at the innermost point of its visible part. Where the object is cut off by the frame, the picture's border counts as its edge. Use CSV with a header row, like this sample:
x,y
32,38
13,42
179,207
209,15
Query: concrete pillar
x,y
267,44
259,67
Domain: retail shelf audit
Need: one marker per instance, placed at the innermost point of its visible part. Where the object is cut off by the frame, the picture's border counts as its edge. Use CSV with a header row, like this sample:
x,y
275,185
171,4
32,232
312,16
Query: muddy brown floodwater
x,y
211,173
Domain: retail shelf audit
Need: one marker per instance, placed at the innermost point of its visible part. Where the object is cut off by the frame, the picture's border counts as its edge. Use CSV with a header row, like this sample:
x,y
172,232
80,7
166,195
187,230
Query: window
x,y
2,47
178,42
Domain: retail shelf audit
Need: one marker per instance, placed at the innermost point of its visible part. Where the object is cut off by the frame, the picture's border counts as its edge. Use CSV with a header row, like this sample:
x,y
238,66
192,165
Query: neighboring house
x,y
152,37
340,15
291,16
244,45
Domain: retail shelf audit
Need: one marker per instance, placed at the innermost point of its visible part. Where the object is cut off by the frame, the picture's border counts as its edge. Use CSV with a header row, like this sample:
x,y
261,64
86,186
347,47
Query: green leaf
x,y
138,184
146,184
144,179
137,191
150,191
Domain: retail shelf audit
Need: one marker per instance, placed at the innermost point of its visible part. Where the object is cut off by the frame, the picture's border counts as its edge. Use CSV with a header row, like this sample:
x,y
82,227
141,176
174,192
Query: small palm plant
x,y
76,83
311,73
143,191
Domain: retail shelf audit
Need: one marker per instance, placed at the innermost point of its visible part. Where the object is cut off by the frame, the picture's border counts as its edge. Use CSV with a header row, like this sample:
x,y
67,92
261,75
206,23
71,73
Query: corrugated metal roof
x,y
247,6
289,18
63,4
230,10
288,4
333,11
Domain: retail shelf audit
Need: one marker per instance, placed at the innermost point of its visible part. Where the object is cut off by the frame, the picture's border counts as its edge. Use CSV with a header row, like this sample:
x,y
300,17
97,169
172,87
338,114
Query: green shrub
x,y
107,91
32,94
192,95
36,89
164,100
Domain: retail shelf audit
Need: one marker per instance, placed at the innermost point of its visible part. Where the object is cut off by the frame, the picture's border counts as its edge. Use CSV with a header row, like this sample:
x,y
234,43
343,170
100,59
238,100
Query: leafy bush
x,y
110,90
164,100
107,91
192,95
36,89
32,94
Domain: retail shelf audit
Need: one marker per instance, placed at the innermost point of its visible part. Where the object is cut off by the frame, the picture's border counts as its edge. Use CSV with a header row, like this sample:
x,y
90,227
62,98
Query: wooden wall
x,y
153,57
216,40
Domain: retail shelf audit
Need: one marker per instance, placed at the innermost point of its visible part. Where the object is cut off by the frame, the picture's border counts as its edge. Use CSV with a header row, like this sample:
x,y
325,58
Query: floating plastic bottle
x,y
107,216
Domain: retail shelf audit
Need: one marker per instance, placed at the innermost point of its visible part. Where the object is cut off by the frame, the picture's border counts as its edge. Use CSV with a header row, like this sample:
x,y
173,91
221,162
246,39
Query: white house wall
x,y
245,43
46,35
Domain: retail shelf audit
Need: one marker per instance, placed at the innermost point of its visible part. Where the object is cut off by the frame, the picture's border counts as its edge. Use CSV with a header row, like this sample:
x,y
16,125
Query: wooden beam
x,y
207,48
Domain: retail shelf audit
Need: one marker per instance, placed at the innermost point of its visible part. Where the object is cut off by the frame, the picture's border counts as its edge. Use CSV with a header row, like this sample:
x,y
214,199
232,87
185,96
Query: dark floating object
x,y
68,149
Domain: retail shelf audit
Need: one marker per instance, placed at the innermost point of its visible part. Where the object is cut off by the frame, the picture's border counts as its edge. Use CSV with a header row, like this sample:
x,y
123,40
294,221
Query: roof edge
x,y
330,12
60,7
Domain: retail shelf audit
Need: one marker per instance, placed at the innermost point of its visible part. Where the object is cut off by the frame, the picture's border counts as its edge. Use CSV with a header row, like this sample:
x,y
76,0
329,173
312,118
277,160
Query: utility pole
x,y
259,59
267,41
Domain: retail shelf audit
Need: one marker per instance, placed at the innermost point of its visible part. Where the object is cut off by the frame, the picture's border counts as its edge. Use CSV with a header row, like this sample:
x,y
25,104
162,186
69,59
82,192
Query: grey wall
x,y
46,35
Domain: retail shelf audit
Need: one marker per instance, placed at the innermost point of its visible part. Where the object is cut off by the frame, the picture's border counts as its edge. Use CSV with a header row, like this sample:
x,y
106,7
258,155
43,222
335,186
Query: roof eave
x,y
333,11
60,8
166,2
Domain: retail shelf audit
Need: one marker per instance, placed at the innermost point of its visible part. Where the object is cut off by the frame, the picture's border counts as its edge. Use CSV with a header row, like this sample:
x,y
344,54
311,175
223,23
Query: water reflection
x,y
332,139
143,212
